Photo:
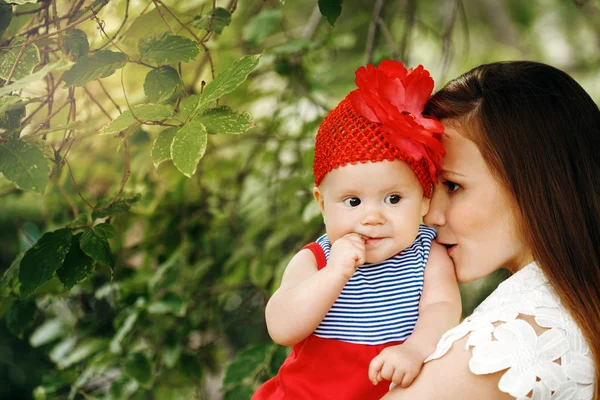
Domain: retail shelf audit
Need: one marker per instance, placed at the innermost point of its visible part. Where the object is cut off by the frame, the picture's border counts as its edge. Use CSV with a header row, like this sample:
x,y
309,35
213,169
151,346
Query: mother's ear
x,y
425,205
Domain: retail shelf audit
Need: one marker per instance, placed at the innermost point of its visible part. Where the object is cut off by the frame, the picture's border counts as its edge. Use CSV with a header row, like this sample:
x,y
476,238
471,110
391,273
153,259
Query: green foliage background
x,y
137,252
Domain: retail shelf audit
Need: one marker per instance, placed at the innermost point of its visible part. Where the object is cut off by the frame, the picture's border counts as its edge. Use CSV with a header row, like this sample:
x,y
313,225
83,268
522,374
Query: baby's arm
x,y
306,294
439,310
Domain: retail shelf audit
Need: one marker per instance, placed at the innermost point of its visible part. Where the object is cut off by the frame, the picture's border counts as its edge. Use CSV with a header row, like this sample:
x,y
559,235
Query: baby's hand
x,y
347,253
400,364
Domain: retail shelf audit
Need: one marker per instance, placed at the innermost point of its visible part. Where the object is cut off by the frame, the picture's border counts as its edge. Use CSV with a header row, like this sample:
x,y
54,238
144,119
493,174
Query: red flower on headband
x,y
395,97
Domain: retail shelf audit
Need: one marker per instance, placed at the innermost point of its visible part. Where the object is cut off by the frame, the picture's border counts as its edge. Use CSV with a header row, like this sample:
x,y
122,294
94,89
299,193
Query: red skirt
x,y
324,369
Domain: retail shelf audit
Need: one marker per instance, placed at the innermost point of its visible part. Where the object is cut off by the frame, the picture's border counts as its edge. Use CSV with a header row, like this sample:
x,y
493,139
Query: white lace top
x,y
554,365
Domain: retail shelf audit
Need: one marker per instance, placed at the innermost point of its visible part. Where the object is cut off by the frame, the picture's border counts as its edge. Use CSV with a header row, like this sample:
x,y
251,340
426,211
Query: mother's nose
x,y
437,207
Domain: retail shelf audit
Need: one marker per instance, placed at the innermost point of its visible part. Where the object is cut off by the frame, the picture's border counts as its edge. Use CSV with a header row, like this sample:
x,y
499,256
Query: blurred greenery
x,y
178,309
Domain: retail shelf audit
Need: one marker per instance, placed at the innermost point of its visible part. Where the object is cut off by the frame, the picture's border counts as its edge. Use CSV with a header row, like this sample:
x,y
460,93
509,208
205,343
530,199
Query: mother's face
x,y
473,214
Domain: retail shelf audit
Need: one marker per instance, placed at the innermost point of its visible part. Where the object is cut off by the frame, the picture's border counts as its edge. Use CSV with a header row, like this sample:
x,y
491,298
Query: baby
x,y
366,303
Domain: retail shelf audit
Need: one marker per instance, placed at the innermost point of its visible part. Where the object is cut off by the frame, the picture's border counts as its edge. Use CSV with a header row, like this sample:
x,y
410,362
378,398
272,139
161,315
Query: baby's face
x,y
381,201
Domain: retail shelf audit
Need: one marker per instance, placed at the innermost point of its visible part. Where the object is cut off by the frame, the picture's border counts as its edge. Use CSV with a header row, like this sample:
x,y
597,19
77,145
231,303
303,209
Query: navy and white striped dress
x,y
380,303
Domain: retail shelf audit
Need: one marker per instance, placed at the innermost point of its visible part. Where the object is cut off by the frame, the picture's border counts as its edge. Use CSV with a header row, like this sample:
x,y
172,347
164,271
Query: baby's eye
x,y
393,199
352,201
451,186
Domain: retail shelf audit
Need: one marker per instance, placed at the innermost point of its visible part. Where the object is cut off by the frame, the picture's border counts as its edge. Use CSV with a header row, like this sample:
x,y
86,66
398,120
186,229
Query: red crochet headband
x,y
382,120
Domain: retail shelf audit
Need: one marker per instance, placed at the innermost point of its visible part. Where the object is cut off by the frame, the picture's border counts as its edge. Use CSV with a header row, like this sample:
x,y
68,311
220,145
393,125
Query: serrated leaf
x,y
144,112
221,19
24,164
330,9
81,220
41,261
20,315
188,147
48,332
88,68
146,26
168,49
76,44
224,120
106,230
29,59
246,364
11,119
187,107
5,17
138,367
60,65
170,303
77,265
263,25
120,206
228,80
161,149
83,350
161,83
94,244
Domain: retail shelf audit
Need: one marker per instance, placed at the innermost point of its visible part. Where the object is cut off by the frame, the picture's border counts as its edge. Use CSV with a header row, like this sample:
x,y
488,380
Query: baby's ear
x,y
319,198
425,205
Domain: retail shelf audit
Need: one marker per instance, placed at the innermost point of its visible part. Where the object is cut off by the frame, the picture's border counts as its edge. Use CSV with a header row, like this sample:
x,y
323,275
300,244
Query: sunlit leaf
x,y
170,303
161,83
246,364
168,49
116,344
5,17
221,19
120,206
263,25
228,80
224,120
41,261
24,164
161,149
11,119
143,112
60,65
77,265
30,57
48,332
330,9
187,107
88,68
20,315
76,44
188,147
83,350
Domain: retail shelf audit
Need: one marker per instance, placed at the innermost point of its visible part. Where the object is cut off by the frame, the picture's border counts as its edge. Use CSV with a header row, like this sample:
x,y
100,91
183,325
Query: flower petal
x,y
517,383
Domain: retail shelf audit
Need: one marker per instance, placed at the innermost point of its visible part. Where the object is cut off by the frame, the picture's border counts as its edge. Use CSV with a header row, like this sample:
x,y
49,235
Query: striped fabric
x,y
379,304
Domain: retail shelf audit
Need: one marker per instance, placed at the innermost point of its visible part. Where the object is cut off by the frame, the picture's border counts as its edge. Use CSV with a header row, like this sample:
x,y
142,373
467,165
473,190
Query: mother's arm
x,y
449,378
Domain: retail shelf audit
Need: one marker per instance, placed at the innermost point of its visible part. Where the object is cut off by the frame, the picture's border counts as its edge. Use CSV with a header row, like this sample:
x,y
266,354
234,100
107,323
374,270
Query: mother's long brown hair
x,y
539,133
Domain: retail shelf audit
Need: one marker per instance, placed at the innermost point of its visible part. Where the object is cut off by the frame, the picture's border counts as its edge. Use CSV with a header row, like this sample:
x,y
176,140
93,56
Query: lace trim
x,y
530,361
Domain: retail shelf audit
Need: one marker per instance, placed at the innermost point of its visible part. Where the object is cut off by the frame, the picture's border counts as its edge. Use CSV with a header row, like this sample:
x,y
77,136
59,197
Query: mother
x,y
521,190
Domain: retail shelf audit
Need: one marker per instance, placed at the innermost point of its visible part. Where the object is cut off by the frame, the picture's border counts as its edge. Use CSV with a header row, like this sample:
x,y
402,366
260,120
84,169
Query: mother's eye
x,y
451,187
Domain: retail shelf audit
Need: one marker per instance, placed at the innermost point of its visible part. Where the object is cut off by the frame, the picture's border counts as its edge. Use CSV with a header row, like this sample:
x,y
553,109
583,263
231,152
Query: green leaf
x,y
60,65
192,367
106,230
11,119
138,367
83,350
144,112
77,265
75,125
8,103
187,107
125,328
171,350
227,81
81,220
246,364
221,19
20,315
330,9
161,149
146,26
263,25
20,2
29,59
170,303
88,68
168,49
241,392
120,206
188,147
161,83
24,164
93,243
48,332
41,261
260,273
76,44
224,120
5,17
11,273
29,236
